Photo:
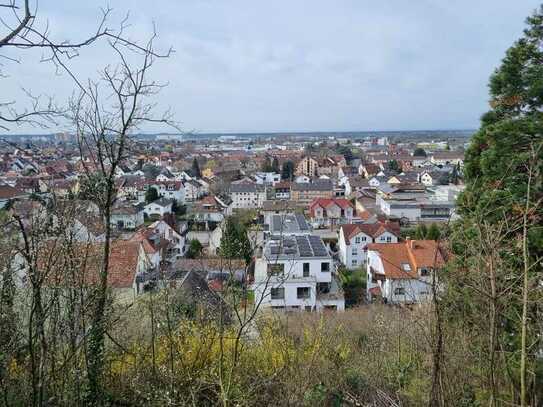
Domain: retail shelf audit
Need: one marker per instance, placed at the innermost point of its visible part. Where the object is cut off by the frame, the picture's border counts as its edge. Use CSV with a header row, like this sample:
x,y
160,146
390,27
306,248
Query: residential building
x,y
281,190
288,225
174,190
177,247
160,207
208,209
296,273
354,238
8,193
279,207
412,203
247,195
331,211
402,273
127,216
307,192
308,166
270,178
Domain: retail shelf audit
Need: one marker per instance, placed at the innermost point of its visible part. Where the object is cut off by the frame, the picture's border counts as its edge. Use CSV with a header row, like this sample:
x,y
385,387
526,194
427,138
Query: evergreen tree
x,y
234,242
394,166
151,195
266,165
433,232
496,160
196,169
275,165
287,171
503,173
419,152
195,249
421,231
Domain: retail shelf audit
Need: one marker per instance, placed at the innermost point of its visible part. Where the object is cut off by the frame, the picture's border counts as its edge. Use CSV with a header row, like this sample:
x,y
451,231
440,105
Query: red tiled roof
x,y
8,192
371,229
416,253
327,202
85,263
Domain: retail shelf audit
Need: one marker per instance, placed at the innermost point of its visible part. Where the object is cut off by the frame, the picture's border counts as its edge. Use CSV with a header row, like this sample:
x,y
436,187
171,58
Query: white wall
x,y
291,280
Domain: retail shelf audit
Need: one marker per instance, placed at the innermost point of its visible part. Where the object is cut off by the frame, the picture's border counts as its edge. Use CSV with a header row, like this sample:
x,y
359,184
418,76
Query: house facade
x,y
354,238
173,190
247,195
127,216
402,273
307,166
332,211
305,192
159,207
296,273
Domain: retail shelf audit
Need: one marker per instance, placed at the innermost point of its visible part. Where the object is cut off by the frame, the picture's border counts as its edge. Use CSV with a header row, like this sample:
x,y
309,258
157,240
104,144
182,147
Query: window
x,y
355,262
424,271
303,292
357,239
277,293
399,291
406,267
389,239
325,267
354,251
308,308
276,269
323,288
306,269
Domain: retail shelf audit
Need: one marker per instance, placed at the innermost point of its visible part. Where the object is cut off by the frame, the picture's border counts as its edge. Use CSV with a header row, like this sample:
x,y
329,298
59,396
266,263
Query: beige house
x,y
308,166
308,191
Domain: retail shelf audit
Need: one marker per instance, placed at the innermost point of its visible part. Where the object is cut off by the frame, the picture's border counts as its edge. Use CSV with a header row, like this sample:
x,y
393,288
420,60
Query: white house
x,y
193,190
127,216
166,189
209,209
247,195
296,273
402,272
331,211
159,207
430,178
354,238
178,245
267,178
415,204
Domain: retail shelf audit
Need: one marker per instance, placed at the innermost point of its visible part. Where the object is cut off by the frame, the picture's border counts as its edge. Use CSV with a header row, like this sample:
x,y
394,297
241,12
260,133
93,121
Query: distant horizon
x,y
279,132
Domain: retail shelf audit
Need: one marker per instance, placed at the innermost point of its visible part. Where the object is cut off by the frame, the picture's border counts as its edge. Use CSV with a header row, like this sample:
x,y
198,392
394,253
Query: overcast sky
x,y
292,65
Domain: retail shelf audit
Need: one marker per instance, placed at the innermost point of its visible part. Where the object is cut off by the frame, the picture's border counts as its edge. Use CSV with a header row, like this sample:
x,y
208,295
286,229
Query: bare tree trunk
x,y
97,329
525,288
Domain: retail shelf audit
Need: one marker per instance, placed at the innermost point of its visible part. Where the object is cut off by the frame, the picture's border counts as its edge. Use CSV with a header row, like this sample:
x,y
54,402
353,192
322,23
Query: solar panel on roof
x,y
317,246
302,223
277,224
304,247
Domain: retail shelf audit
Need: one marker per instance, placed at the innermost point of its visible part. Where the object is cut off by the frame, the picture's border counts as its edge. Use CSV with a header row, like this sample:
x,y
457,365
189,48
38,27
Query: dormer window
x,y
406,267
